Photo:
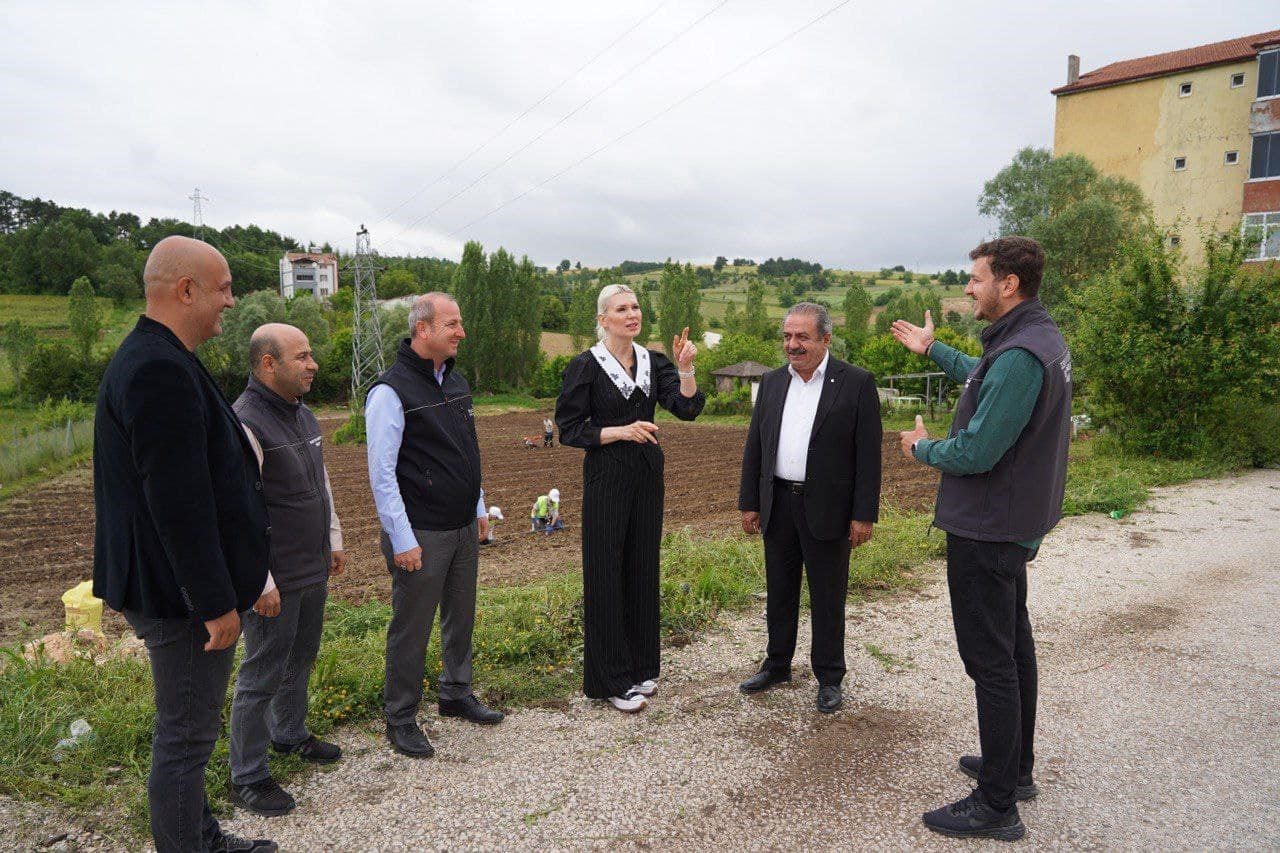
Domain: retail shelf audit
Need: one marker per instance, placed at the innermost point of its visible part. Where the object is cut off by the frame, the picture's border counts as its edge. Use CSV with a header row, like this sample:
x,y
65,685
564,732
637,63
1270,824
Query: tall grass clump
x,y
27,454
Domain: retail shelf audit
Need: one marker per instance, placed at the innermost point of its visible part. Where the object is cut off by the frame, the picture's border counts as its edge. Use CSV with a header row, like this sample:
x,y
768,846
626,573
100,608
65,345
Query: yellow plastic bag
x,y
83,610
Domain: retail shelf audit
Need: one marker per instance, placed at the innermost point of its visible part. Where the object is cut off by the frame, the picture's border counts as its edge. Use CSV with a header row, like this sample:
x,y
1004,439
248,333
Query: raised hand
x,y
683,351
913,337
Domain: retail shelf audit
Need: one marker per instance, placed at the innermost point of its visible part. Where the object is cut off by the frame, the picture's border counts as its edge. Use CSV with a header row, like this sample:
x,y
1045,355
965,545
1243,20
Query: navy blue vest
x,y
1019,499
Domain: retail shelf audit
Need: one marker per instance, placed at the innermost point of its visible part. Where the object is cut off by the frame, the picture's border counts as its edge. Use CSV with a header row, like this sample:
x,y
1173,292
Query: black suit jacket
x,y
181,521
842,472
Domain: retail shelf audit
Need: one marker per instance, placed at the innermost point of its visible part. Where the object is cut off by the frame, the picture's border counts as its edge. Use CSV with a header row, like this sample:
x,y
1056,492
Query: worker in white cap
x,y
545,516
495,514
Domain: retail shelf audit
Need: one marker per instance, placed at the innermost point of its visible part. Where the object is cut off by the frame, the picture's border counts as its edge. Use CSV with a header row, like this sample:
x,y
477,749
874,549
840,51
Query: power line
x,y
527,110
563,118
655,116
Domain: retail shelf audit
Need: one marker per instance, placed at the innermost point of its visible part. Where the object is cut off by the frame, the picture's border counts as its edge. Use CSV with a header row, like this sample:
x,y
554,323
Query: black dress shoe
x,y
408,739
971,766
763,680
471,709
972,817
228,843
311,749
264,797
829,699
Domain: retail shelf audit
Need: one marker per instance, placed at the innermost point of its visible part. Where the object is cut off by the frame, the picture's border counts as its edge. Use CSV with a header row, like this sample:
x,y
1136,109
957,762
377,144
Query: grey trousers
x,y
447,579
270,702
190,689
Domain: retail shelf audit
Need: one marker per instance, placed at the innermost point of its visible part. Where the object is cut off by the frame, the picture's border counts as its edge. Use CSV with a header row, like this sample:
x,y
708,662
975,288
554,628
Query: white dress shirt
x,y
798,412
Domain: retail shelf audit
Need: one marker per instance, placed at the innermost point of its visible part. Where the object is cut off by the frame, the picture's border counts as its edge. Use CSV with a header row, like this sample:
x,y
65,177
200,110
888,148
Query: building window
x,y
1184,91
1265,229
1237,80
1269,74
1266,156
1174,241
1179,164
1231,158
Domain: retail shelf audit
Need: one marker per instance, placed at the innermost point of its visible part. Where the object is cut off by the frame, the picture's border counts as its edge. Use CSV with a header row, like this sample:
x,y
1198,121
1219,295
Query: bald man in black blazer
x,y
811,485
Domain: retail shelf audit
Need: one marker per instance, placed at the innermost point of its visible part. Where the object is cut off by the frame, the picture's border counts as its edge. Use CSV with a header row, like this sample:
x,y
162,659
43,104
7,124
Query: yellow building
x,y
1198,130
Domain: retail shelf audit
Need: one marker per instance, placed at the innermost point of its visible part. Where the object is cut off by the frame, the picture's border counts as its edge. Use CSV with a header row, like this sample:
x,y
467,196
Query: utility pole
x,y
197,218
366,326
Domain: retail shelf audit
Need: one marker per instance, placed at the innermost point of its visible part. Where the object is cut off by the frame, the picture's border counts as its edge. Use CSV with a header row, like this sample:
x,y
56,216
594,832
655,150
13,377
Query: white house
x,y
308,272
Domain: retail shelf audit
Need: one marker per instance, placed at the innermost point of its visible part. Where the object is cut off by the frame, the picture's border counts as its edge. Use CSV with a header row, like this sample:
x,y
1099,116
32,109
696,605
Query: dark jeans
x,y
988,583
270,703
789,546
447,580
190,689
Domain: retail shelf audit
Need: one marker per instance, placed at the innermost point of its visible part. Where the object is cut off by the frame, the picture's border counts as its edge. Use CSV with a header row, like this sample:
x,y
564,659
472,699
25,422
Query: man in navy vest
x,y
424,468
282,631
1004,469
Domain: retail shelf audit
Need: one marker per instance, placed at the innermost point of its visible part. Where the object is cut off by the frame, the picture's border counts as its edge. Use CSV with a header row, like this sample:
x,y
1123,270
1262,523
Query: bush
x,y
735,402
55,372
53,414
1183,371
549,375
352,432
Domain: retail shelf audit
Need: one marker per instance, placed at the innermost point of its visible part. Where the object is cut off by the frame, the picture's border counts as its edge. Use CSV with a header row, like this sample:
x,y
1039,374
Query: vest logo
x,y
315,442
1065,364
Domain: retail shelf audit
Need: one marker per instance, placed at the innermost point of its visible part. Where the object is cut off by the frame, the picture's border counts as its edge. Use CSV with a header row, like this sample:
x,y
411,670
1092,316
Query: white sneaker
x,y
648,687
630,703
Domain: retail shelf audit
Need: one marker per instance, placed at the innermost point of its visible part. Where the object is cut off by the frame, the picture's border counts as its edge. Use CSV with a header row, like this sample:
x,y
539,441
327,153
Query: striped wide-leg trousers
x,y
621,533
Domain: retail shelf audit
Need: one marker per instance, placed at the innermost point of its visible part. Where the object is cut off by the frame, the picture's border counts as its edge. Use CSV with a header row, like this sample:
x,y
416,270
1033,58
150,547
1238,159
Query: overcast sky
x,y
863,141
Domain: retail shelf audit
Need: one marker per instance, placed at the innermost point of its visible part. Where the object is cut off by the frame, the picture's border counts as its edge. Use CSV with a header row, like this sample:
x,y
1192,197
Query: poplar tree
x,y
469,281
82,316
680,298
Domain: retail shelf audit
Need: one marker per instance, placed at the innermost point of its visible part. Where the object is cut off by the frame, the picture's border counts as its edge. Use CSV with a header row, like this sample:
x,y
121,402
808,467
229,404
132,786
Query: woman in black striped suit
x,y
606,406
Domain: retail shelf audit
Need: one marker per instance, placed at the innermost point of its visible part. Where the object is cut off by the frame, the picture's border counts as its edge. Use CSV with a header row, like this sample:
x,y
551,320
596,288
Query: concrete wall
x,y
1135,130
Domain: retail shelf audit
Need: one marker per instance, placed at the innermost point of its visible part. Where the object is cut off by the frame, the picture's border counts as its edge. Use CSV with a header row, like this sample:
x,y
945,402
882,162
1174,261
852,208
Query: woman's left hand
x,y
683,351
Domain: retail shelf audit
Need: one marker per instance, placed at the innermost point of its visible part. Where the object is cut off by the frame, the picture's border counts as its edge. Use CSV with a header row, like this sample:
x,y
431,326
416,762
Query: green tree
x,y
1184,368
554,315
649,316
1081,217
470,279
119,283
681,300
755,319
857,317
64,252
563,266
582,313
733,348
528,320
83,317
720,263
398,282
17,340
308,315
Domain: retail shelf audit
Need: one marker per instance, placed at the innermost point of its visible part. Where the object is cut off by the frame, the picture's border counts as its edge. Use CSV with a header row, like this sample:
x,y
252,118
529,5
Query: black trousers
x,y
789,546
988,584
621,532
190,690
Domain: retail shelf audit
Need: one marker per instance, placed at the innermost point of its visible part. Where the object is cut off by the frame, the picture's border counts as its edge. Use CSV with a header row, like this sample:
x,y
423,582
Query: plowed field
x,y
46,534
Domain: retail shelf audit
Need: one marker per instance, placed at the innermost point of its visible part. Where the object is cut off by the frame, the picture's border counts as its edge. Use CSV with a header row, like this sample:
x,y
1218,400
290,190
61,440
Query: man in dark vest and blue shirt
x,y
1004,471
181,533
424,468
282,631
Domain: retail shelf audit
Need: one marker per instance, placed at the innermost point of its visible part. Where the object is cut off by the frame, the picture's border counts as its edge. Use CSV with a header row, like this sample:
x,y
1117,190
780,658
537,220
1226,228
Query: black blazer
x,y
181,521
842,472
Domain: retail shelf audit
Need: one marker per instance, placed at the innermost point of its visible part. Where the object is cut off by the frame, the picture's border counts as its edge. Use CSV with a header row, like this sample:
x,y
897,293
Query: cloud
x,y
863,141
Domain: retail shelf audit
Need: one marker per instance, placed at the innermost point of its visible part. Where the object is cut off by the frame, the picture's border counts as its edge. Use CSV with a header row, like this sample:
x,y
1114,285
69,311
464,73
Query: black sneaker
x,y
265,797
311,749
971,766
228,843
973,818
471,709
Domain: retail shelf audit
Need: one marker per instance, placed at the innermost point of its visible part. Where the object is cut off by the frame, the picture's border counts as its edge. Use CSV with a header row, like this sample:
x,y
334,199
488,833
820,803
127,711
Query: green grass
x,y
528,647
1101,478
48,314
35,457
889,661
499,404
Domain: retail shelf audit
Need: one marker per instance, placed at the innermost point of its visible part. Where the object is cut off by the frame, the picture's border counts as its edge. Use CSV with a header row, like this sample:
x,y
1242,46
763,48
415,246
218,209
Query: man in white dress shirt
x,y
811,485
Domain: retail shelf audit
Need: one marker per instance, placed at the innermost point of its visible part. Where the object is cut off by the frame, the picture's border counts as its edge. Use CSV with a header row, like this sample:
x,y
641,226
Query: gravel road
x,y
1159,639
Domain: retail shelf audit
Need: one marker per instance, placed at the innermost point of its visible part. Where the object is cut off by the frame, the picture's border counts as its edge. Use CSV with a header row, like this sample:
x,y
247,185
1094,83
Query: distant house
x,y
727,378
308,272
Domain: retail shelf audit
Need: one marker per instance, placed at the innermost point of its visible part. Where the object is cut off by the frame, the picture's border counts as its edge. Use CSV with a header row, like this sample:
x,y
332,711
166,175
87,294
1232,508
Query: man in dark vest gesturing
x,y
424,468
1004,470
282,631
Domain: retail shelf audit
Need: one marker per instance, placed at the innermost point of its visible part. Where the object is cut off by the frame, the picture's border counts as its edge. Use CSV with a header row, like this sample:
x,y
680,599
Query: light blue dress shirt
x,y
384,430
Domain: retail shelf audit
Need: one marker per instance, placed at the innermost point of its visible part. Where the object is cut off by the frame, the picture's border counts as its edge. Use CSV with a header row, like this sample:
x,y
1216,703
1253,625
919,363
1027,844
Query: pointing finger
x,y
919,422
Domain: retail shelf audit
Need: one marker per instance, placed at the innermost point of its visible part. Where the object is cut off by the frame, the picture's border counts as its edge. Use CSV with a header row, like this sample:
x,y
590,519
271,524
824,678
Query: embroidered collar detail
x,y
619,374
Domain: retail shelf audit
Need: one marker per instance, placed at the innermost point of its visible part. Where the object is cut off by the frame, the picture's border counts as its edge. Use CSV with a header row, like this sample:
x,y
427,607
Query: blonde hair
x,y
602,303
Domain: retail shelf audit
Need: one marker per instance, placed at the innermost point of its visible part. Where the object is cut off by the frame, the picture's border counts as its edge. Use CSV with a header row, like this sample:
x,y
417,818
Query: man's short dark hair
x,y
1020,256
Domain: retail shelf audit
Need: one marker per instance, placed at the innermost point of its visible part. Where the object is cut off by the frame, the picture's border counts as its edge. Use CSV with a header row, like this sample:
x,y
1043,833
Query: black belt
x,y
790,485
